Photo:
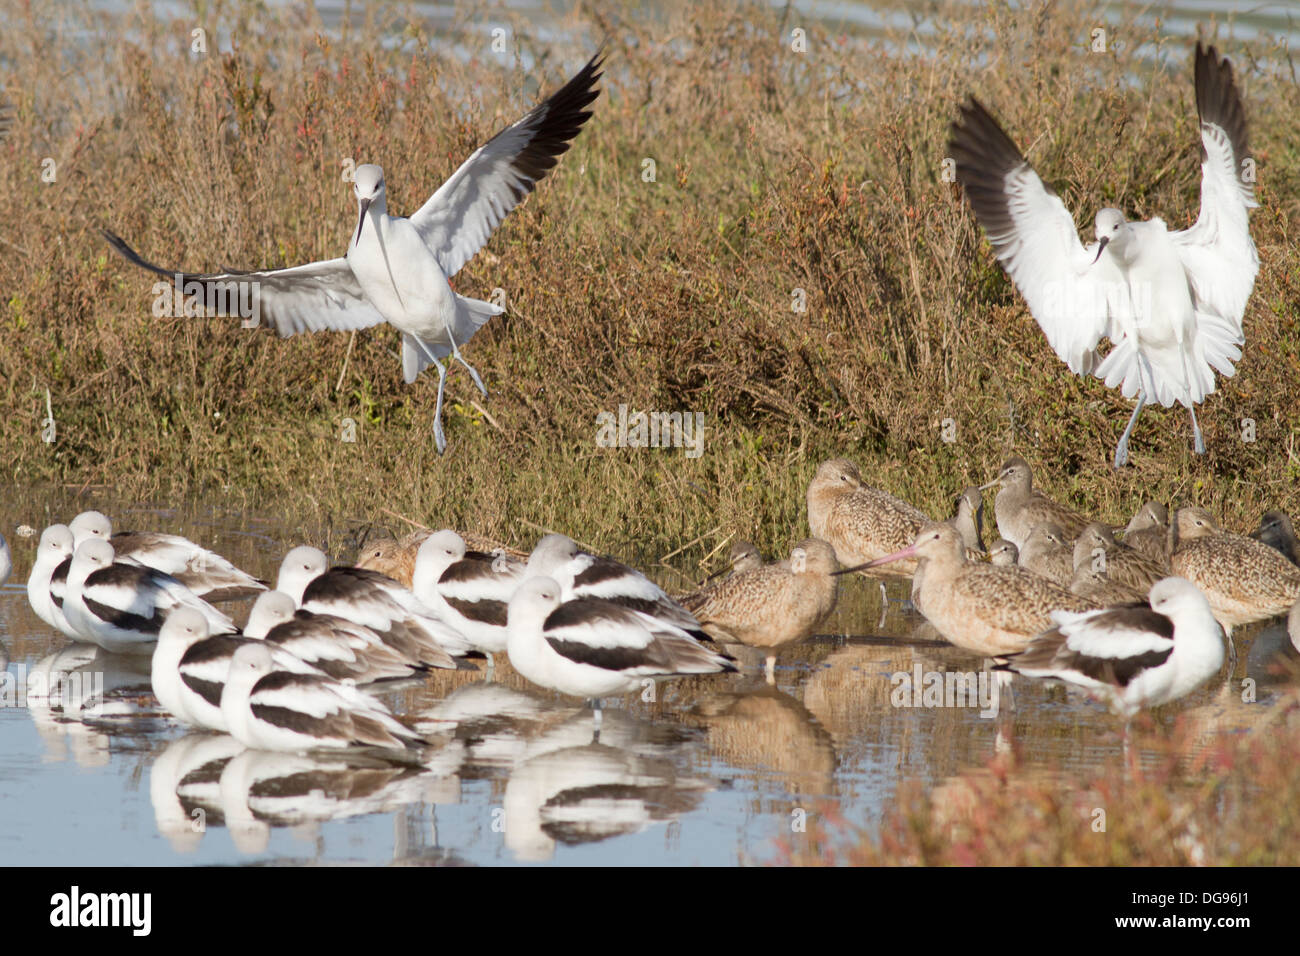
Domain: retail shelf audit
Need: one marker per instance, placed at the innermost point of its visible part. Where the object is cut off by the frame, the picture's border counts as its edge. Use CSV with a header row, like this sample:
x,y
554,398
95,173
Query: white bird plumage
x,y
268,708
1171,302
122,607
397,270
55,548
590,647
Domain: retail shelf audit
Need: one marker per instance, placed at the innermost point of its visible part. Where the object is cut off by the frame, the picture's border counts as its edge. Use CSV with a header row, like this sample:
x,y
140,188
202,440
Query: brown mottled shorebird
x,y
744,556
397,558
988,609
1047,553
860,522
1275,530
1245,580
1148,532
1003,553
1019,509
771,606
1098,548
969,517
1093,584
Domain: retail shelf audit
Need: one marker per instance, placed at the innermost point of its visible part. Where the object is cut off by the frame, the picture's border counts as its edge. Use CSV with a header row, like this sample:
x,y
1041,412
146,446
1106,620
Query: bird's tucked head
x,y
1110,229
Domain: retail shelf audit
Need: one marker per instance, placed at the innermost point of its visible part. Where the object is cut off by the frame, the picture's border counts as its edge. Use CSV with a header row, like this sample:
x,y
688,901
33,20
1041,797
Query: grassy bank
x,y
776,171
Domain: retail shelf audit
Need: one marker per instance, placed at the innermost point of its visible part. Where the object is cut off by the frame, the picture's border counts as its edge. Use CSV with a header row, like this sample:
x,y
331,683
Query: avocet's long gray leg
x,y
1198,442
439,439
1121,450
455,353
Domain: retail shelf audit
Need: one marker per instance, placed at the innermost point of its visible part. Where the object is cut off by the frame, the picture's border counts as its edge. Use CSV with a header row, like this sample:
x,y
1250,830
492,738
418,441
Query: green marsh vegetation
x,y
775,171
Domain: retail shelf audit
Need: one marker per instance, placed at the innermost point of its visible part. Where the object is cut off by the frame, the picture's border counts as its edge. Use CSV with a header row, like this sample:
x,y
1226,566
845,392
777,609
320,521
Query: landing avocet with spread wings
x,y
1171,302
396,270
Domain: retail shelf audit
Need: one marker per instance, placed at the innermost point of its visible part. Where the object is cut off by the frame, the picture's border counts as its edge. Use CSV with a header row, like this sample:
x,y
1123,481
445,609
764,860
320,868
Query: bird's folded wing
x,y
1120,632
301,694
316,297
458,218
1217,251
1073,300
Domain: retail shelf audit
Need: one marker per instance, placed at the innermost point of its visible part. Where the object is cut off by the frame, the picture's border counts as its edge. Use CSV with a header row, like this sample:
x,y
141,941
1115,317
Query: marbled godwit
x,y
859,522
772,606
589,647
1148,533
969,517
1046,553
472,591
372,599
397,558
582,574
1134,656
271,709
988,609
1098,548
53,555
1096,587
745,556
1171,302
121,607
1275,530
1243,579
397,270
1019,508
1003,553
204,572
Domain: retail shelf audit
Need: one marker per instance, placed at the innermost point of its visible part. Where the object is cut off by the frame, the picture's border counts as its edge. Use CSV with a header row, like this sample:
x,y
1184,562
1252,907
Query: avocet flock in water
x,y
1132,627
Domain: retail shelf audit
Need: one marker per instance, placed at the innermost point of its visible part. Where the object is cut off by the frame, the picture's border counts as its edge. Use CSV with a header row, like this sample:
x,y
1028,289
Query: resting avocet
x,y
584,575
471,590
591,647
190,668
374,600
341,648
1134,655
271,709
204,572
121,607
53,558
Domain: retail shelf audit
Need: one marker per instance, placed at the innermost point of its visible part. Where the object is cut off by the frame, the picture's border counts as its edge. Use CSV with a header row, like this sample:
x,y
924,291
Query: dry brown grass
x,y
776,171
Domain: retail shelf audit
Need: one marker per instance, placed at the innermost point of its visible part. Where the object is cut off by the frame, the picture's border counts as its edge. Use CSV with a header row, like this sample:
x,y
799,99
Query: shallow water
x,y
715,771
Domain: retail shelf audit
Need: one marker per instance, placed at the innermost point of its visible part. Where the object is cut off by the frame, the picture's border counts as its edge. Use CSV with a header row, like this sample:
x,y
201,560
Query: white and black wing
x,y
1109,647
316,297
458,219
1217,251
612,637
1074,300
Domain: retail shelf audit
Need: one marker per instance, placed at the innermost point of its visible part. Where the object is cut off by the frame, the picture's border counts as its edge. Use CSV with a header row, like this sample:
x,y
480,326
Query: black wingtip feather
x,y
1217,99
559,119
985,155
